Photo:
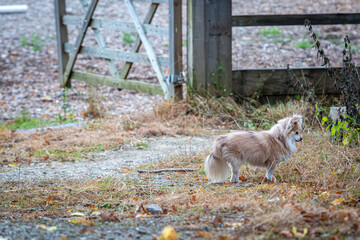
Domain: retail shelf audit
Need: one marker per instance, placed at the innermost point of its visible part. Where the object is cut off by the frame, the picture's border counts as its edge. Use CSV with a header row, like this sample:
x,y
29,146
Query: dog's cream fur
x,y
263,149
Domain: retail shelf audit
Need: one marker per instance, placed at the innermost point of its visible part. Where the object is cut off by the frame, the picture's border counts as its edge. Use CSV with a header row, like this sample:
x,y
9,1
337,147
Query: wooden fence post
x,y
175,38
62,38
209,46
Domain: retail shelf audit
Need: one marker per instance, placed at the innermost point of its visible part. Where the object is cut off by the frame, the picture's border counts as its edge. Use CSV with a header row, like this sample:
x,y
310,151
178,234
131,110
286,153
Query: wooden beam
x,y
116,25
137,44
79,41
278,81
168,94
117,83
175,39
116,54
209,46
62,38
295,19
101,42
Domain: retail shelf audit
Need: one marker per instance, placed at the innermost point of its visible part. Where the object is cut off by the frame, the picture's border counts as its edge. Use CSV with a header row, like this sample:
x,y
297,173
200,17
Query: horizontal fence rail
x,y
117,83
294,19
116,54
116,25
279,81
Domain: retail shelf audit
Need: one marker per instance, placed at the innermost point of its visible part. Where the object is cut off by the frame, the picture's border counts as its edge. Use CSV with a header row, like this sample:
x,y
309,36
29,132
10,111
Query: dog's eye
x,y
297,132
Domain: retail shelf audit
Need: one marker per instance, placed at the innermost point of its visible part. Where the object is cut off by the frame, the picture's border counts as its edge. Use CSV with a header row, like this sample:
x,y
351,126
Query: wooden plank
x,y
295,19
137,44
277,81
101,42
209,65
175,39
116,54
117,83
168,94
218,47
117,25
79,40
62,38
196,55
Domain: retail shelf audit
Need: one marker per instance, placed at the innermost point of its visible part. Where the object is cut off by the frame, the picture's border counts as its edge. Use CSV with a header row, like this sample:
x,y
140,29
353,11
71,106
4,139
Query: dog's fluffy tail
x,y
217,170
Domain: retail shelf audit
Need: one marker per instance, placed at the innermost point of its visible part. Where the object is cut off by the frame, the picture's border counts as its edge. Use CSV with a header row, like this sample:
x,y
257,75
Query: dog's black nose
x,y
299,139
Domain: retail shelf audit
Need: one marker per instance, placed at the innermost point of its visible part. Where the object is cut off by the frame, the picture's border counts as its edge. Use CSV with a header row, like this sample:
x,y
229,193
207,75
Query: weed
x,y
346,130
95,107
128,38
34,42
304,43
65,107
270,31
141,145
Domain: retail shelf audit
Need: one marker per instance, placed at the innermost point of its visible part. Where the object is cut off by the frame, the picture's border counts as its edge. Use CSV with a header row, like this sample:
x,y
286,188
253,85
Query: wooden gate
x,y
170,86
210,24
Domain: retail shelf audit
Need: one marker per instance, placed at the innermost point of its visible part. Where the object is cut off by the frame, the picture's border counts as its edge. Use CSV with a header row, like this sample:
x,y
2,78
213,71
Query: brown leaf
x,y
337,201
84,230
84,221
204,234
242,178
109,217
218,219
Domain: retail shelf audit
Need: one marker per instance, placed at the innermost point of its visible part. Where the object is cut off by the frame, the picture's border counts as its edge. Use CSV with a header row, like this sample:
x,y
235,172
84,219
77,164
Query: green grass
x,y
303,44
26,123
128,38
270,31
59,155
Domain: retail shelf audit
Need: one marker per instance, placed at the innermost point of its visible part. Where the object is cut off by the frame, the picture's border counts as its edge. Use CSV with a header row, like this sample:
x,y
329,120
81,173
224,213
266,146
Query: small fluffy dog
x,y
263,149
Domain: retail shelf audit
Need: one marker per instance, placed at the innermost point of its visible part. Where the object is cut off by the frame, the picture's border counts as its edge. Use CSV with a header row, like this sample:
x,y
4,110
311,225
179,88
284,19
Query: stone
x,y
154,209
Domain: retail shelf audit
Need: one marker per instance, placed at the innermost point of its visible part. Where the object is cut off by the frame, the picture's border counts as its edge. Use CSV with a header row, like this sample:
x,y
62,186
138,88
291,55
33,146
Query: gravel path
x,y
109,163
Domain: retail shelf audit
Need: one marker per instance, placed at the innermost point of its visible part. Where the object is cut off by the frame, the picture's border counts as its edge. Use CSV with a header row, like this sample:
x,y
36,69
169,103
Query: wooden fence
x,y
170,86
209,51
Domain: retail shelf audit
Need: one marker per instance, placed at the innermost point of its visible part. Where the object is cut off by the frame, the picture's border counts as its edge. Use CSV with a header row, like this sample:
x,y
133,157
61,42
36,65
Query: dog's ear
x,y
296,118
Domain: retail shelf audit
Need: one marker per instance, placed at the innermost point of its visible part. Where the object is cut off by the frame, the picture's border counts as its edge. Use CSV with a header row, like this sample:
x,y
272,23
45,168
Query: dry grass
x,y
317,191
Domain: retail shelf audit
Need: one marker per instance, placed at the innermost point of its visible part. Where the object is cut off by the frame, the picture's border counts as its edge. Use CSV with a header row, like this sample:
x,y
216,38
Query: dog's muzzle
x,y
298,140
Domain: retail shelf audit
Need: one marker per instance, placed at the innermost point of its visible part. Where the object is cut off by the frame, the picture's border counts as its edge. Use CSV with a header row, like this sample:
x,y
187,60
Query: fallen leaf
x,y
14,164
337,201
50,229
126,170
325,194
233,224
299,235
168,233
84,230
109,217
242,178
95,213
204,234
84,221
46,99
78,214
13,206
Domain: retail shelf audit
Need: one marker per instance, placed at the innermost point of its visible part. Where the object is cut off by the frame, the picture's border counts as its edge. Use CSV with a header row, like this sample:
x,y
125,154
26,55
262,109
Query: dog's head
x,y
291,127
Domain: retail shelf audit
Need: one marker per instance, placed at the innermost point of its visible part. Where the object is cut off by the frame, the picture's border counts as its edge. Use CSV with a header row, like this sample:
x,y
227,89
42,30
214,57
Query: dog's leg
x,y
235,168
270,168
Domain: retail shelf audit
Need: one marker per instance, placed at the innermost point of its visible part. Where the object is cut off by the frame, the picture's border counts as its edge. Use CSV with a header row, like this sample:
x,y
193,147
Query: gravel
x,y
109,163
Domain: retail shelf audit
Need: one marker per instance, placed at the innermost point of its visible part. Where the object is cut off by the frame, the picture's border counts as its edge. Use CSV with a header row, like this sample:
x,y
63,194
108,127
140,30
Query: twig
x,y
168,170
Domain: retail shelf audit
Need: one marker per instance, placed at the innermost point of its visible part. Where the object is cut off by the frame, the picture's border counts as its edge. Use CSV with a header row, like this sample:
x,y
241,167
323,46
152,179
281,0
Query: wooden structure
x,y
209,51
170,86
